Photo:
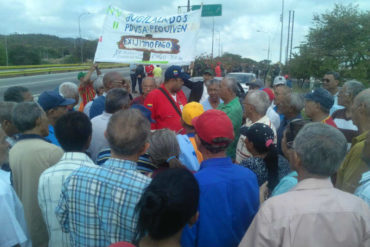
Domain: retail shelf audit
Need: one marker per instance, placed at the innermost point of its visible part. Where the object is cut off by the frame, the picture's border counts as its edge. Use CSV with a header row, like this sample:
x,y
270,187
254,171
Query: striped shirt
x,y
97,205
50,187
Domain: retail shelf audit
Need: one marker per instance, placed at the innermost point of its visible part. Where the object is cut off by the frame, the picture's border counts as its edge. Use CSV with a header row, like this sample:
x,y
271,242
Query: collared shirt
x,y
98,140
235,112
350,171
273,116
242,152
286,184
97,106
51,137
13,224
335,106
229,199
313,213
50,187
329,121
345,125
97,204
188,156
363,191
206,105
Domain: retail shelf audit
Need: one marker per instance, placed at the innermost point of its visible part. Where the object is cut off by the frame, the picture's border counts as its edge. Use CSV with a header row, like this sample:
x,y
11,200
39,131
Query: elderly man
x,y
363,191
18,94
28,158
110,80
73,131
331,82
255,104
233,110
54,106
97,205
6,122
69,90
317,106
229,196
353,166
148,86
167,101
343,117
213,100
313,213
116,99
291,105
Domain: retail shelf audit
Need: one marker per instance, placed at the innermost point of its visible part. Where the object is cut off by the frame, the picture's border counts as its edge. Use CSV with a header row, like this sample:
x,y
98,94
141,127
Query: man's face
x,y
27,97
177,84
4,148
356,115
59,111
280,93
310,108
329,82
214,92
207,76
248,108
116,82
148,86
344,98
223,89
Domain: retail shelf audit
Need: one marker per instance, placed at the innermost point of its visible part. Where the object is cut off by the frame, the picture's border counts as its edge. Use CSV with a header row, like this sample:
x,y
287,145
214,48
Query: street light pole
x,y
79,33
282,25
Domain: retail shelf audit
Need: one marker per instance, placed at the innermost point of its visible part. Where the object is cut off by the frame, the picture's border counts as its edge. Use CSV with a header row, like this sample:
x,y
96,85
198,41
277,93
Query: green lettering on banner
x,y
115,25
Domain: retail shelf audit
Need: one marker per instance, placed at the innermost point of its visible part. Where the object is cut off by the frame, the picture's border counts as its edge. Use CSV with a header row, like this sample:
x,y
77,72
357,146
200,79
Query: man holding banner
x,y
167,101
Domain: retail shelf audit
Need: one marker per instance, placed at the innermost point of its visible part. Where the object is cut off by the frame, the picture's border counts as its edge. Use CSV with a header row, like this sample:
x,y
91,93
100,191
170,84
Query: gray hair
x,y
232,84
296,101
321,148
260,100
354,87
363,98
68,90
116,99
127,132
98,83
163,144
25,115
158,81
212,82
6,109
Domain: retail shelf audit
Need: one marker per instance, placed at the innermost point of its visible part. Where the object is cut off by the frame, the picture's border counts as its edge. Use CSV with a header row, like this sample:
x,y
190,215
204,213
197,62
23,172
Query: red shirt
x,y
163,113
149,70
218,71
87,93
329,120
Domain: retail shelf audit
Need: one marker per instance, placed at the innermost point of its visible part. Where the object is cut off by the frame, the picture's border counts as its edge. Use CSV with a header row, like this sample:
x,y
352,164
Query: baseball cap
x,y
259,134
146,112
213,124
270,93
257,83
208,71
321,96
175,71
80,75
279,80
190,111
51,99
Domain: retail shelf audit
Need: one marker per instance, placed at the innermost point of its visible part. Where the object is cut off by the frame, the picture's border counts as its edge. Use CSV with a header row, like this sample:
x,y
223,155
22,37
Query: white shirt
x,y
205,94
273,116
50,187
98,140
241,150
313,213
13,223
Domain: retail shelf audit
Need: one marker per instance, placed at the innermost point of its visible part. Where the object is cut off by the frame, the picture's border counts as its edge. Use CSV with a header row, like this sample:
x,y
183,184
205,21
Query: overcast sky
x,y
244,27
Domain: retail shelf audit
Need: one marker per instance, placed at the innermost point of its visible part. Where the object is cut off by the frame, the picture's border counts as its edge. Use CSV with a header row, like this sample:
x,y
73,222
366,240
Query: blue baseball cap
x,y
321,96
175,71
146,112
51,99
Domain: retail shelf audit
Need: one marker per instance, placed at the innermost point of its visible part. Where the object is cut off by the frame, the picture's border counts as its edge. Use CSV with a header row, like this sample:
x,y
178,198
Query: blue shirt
x,y
97,204
97,107
363,191
187,155
286,184
229,199
280,131
51,137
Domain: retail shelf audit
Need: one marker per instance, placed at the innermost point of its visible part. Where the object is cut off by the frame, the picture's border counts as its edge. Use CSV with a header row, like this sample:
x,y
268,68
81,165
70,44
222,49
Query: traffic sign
x,y
209,9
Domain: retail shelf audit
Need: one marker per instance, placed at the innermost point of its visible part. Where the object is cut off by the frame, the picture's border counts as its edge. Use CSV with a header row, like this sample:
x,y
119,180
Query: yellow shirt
x,y
349,173
157,72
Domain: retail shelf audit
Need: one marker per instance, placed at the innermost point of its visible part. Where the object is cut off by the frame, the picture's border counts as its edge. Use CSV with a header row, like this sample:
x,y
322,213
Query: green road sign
x,y
209,9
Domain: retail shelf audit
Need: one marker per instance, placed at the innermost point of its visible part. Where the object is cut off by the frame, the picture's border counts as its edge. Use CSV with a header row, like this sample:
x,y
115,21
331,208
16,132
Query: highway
x,y
39,83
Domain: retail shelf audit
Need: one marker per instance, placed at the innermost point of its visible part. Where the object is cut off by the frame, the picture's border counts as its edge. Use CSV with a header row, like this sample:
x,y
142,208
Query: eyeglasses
x,y
325,80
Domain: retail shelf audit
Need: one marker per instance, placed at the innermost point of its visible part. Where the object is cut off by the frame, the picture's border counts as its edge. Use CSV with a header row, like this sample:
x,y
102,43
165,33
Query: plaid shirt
x,y
97,205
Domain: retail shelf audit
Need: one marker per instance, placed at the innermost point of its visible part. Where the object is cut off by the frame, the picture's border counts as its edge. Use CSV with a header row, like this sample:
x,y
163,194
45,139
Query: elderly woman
x,y
343,117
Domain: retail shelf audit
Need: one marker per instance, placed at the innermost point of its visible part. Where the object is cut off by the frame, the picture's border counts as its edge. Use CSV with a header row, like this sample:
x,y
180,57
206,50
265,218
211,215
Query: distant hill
x,y
30,49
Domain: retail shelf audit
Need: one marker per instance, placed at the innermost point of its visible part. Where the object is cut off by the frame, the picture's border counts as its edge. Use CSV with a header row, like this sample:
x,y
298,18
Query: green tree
x,y
339,40
23,55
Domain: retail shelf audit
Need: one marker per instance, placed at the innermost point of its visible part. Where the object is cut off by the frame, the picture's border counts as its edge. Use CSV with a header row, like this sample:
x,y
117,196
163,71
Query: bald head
x,y
149,85
112,80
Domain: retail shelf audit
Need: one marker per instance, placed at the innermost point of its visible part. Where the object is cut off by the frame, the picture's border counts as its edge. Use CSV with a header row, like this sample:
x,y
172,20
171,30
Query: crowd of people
x,y
102,164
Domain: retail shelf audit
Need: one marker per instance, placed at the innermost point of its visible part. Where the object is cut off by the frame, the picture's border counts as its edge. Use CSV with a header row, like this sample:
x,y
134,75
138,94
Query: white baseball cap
x,y
279,80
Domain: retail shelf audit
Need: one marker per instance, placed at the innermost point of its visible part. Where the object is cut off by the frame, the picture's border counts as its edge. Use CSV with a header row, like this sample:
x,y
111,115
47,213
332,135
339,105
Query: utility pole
x,y
213,34
79,33
282,26
188,5
6,50
288,40
219,43
291,37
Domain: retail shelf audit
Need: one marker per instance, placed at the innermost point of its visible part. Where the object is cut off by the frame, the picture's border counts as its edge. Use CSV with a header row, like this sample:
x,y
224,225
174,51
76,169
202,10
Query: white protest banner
x,y
134,38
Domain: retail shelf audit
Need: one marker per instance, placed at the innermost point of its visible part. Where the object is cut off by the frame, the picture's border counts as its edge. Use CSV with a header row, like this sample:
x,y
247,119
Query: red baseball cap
x,y
213,124
270,93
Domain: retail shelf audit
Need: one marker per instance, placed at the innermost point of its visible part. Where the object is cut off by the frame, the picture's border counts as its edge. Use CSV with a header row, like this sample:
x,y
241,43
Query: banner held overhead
x,y
135,38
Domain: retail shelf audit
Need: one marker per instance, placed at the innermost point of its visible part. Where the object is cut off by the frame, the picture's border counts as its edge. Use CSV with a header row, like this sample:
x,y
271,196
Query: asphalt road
x,y
39,83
